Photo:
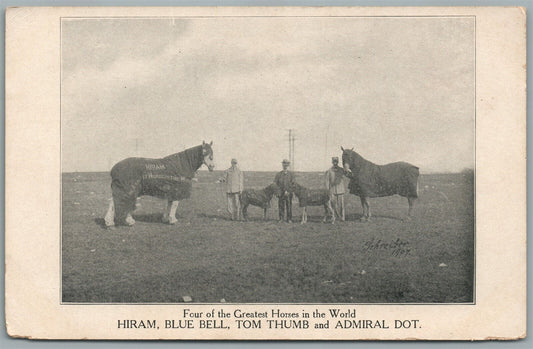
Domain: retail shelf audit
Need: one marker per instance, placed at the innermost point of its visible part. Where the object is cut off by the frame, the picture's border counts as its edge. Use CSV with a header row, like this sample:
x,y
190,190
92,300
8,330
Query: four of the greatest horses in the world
x,y
170,178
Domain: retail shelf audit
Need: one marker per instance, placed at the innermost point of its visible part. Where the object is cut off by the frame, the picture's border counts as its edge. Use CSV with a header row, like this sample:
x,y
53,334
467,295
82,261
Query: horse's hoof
x,y
164,219
172,221
111,227
130,221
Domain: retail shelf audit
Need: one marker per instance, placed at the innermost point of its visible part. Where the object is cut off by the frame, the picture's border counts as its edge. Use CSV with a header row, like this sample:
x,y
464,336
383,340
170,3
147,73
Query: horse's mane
x,y
188,160
356,161
271,188
300,189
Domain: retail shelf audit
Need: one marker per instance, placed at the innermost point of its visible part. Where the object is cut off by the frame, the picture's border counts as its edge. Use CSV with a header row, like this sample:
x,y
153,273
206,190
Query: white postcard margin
x,y
32,187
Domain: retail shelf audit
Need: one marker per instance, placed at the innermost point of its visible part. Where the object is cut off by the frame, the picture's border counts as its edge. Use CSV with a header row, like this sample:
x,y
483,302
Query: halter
x,y
206,151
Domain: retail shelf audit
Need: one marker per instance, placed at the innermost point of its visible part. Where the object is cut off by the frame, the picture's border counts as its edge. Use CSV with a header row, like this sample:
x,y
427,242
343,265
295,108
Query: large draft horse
x,y
368,180
169,178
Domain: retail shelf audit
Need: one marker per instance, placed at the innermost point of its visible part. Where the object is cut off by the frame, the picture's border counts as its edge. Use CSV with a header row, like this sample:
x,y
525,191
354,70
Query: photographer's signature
x,y
397,247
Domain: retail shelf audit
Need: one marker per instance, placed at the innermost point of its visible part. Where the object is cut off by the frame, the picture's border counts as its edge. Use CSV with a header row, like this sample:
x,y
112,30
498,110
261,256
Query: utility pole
x,y
292,139
293,160
326,148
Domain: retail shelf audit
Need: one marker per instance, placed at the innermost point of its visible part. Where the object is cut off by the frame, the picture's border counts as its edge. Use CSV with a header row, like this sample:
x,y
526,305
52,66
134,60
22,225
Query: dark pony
x,y
168,178
313,197
368,180
258,197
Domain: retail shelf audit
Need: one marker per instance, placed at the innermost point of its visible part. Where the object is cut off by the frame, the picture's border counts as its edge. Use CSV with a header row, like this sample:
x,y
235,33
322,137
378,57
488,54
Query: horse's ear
x,y
342,148
203,143
352,149
210,144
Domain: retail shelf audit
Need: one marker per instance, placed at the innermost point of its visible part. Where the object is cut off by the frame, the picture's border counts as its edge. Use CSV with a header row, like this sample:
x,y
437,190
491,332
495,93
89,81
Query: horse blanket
x,y
167,178
370,180
259,197
255,197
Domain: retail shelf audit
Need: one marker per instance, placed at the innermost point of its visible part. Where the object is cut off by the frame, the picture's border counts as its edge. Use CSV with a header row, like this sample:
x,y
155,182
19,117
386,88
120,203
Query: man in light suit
x,y
234,184
335,185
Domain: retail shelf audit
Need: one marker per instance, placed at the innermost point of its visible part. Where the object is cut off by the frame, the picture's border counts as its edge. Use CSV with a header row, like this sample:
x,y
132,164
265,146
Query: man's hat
x,y
285,161
335,159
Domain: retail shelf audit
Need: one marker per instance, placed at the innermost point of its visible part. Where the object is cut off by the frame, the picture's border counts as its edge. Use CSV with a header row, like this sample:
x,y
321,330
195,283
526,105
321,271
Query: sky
x,y
394,89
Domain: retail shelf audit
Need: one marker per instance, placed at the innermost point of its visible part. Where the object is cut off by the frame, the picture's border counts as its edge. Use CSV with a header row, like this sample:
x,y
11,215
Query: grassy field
x,y
210,258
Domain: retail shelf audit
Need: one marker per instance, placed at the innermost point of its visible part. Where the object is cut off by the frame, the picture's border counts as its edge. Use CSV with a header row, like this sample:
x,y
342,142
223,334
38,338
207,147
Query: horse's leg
x,y
326,212
129,219
167,211
245,212
109,218
411,202
172,212
368,214
264,213
304,215
364,208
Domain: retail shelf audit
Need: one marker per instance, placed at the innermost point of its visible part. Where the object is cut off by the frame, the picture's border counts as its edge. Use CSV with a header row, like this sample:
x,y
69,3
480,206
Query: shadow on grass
x,y
260,220
148,217
100,222
214,216
357,217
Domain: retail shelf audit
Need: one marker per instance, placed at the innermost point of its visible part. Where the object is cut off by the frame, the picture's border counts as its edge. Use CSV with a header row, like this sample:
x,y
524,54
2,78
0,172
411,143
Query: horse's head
x,y
207,155
273,189
346,157
295,188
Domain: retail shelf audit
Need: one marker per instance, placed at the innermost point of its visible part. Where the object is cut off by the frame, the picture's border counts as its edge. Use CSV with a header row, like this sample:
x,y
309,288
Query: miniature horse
x,y
258,197
313,197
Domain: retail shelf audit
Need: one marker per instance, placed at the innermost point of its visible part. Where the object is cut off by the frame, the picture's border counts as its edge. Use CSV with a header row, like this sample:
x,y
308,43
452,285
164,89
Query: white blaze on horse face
x,y
209,162
207,155
346,166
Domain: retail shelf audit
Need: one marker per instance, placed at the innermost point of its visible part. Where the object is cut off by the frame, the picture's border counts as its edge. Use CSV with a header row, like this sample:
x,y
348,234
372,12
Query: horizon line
x,y
297,171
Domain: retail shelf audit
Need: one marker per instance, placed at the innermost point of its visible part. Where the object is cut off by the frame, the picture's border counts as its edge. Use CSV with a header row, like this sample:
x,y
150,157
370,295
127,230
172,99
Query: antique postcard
x,y
332,173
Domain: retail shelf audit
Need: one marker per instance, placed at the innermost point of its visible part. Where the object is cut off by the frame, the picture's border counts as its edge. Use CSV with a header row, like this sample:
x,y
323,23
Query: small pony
x,y
313,197
258,197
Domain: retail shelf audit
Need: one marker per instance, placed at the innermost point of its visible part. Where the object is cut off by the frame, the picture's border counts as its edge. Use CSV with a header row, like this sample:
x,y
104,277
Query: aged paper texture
x,y
332,173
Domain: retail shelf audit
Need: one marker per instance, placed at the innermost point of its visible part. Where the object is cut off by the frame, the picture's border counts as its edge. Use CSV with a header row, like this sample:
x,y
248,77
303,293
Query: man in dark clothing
x,y
284,180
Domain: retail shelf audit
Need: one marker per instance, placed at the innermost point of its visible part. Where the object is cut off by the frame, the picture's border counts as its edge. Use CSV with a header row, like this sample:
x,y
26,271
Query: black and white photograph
x,y
266,173
268,159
